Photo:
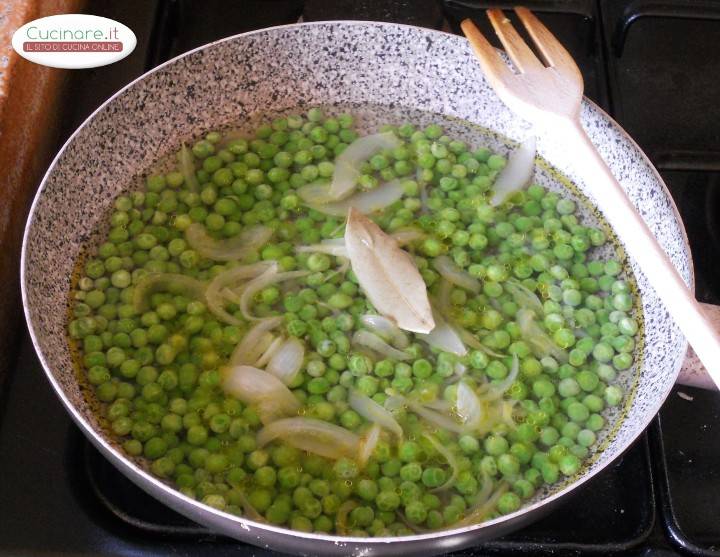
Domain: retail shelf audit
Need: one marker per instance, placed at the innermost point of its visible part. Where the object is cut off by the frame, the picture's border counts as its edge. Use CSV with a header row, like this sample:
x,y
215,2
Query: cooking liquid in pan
x,y
368,119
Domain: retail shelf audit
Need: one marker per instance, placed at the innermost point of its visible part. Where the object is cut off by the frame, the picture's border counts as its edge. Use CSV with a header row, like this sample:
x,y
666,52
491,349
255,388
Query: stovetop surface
x,y
654,66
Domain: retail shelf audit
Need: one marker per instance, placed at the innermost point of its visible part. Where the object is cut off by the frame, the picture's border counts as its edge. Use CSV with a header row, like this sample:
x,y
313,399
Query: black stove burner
x,y
653,65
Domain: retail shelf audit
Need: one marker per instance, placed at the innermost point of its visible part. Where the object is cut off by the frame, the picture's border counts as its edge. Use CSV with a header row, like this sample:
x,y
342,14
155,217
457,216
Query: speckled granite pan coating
x,y
401,71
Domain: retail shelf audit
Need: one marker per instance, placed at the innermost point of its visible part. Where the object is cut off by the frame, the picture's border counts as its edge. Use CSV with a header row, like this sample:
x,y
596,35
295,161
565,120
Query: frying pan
x,y
382,73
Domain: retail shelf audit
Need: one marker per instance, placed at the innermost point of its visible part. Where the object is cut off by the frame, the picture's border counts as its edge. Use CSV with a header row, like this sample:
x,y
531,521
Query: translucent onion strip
x,y
444,337
374,342
479,513
524,297
229,249
336,246
367,445
540,342
374,412
348,163
266,392
174,283
334,249
499,389
408,235
468,406
316,193
342,515
366,202
449,457
248,509
269,352
385,328
470,339
436,418
271,276
228,278
517,173
250,347
454,274
287,361
315,436
187,167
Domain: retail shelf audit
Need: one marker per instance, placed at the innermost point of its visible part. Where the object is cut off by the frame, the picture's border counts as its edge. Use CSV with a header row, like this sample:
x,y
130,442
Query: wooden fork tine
x,y
494,68
519,52
552,51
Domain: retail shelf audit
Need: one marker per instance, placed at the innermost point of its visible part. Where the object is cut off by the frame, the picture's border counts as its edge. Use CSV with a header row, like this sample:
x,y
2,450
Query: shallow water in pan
x,y
368,118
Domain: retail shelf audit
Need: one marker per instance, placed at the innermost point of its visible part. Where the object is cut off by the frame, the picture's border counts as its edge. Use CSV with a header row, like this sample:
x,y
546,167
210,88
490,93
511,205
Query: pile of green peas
x,y
157,374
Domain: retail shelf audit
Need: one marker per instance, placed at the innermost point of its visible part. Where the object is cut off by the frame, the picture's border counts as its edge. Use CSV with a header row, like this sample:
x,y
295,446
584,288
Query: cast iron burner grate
x,y
613,513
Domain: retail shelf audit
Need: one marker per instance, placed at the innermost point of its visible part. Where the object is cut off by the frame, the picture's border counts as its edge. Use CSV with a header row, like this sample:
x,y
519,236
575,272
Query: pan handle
x,y
692,373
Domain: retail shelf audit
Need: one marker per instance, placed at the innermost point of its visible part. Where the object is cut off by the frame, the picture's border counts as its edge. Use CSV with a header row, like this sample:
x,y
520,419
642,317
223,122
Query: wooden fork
x,y
548,93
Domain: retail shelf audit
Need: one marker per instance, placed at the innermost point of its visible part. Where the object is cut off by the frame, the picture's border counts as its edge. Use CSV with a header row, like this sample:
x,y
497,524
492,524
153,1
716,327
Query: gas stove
x,y
653,65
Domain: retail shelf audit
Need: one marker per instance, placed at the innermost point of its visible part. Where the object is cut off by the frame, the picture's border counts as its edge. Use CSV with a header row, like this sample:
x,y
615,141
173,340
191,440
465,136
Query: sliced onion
x,y
269,352
334,249
229,295
443,296
540,343
366,202
454,274
373,412
407,235
316,193
187,167
470,339
368,444
485,492
460,369
440,405
331,246
394,402
468,406
250,347
479,513
374,342
248,509
423,196
271,276
342,514
230,249
517,173
444,337
524,297
385,328
414,527
497,390
449,457
227,278
257,387
287,361
506,413
165,282
311,435
436,418
347,163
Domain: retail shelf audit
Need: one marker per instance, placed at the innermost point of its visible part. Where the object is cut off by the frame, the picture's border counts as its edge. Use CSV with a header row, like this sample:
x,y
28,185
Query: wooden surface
x,y
29,96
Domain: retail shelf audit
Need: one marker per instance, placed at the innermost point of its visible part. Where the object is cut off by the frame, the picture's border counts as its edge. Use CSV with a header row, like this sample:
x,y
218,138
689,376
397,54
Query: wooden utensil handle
x,y
642,246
